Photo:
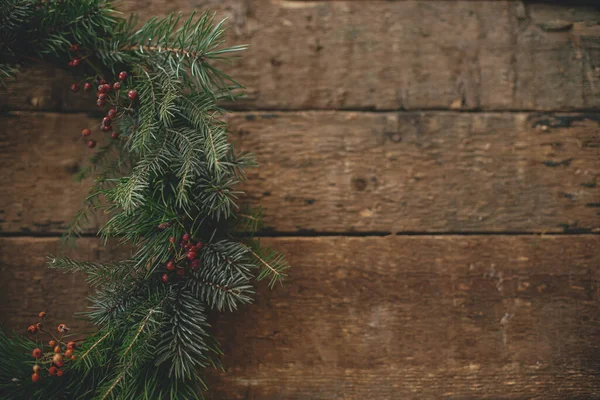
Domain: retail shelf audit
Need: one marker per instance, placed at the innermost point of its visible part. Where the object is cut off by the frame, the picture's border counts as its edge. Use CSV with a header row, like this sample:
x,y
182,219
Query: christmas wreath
x,y
166,176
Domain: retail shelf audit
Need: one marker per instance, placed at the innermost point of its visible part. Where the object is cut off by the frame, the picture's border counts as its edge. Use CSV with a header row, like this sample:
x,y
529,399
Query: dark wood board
x,y
384,55
466,126
423,317
351,171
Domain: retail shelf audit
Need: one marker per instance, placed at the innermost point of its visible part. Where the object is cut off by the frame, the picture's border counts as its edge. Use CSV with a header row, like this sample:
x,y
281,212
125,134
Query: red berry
x,y
105,128
195,264
36,353
101,96
100,102
74,87
69,353
189,246
57,359
60,372
164,278
133,94
101,81
180,272
107,87
185,237
74,47
52,343
71,63
39,325
53,370
199,245
106,121
122,75
87,87
114,135
172,239
191,255
32,329
91,144
112,113
72,345
170,266
42,314
76,62
35,377
117,86
102,89
86,132
57,349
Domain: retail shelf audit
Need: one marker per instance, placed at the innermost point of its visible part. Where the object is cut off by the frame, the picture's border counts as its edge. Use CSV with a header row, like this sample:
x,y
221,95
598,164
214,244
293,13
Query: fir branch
x,y
144,323
185,344
250,223
96,343
220,289
273,262
172,172
141,48
142,326
229,257
97,274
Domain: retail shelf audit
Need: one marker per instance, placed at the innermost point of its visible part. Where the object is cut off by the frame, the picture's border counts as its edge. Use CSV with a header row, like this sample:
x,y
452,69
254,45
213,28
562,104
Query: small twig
x,y
94,67
262,261
217,286
94,345
139,332
115,383
159,49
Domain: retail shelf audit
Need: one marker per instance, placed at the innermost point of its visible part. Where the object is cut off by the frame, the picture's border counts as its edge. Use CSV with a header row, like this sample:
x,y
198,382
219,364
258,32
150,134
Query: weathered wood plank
x,y
424,171
421,317
494,55
503,317
41,154
348,171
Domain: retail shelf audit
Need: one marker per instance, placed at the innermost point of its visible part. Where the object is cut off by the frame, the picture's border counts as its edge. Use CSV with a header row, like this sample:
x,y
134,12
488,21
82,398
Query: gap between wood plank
x,y
94,113
300,234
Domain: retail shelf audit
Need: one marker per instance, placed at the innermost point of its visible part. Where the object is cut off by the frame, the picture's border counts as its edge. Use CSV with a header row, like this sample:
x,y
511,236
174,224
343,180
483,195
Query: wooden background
x,y
430,168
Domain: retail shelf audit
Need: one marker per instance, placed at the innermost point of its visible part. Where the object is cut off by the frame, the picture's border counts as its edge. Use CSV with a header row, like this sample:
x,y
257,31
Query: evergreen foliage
x,y
172,172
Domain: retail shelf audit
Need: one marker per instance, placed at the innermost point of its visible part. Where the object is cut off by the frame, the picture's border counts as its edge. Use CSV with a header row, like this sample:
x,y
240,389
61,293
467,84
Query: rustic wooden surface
x,y
493,55
387,317
422,317
349,171
463,126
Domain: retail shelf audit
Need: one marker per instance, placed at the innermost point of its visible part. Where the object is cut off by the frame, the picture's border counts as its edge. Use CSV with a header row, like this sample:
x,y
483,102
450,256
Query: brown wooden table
x,y
430,168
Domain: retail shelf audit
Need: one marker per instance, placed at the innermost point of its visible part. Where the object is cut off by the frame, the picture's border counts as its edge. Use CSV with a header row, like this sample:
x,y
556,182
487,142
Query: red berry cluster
x,y
186,257
54,358
75,60
105,89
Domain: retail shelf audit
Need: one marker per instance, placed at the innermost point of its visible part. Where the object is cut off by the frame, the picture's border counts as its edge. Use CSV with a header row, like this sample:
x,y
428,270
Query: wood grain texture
x,y
469,55
395,317
349,171
41,153
423,317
